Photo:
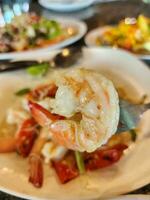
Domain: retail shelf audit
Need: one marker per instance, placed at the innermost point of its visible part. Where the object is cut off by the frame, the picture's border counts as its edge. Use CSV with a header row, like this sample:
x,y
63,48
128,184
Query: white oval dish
x,y
130,173
79,25
68,6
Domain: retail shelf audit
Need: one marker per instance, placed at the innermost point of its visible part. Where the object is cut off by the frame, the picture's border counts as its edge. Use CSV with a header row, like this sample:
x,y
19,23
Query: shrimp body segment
x,y
90,106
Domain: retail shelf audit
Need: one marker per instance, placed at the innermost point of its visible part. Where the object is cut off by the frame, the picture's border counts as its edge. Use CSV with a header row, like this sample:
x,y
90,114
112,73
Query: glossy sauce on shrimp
x,y
89,108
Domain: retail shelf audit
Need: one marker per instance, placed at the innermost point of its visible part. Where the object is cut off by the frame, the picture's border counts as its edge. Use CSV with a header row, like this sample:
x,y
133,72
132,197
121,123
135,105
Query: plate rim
x,y
66,7
131,196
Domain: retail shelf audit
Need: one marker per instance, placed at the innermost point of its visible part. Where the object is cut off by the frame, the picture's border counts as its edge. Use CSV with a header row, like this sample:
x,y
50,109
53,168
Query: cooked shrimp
x,y
89,105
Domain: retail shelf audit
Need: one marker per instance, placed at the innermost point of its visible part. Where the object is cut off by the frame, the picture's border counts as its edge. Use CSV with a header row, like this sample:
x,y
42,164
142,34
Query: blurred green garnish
x,y
133,134
80,162
38,70
22,91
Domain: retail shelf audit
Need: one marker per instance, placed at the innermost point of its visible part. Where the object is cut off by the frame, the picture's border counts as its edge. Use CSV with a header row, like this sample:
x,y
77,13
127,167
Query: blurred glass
x,y
7,10
11,8
146,1
2,21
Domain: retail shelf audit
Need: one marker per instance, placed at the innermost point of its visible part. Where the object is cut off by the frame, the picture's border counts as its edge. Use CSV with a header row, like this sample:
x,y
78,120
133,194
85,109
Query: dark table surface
x,y
98,15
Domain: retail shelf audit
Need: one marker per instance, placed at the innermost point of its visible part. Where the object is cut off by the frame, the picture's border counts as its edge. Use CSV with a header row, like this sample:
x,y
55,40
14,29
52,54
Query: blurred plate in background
x,y
66,5
80,27
91,38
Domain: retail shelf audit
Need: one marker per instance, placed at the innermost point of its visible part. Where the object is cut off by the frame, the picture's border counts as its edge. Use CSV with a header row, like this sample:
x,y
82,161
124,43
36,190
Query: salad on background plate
x,y
131,34
31,33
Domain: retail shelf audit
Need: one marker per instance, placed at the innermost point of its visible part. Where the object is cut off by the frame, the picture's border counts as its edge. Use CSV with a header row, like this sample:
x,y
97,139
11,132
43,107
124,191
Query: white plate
x,y
81,14
90,40
132,197
130,173
69,6
79,25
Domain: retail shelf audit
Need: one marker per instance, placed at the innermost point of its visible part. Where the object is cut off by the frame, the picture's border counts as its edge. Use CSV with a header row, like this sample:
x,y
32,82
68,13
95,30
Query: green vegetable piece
x,y
146,46
80,162
22,91
143,24
38,70
133,134
54,30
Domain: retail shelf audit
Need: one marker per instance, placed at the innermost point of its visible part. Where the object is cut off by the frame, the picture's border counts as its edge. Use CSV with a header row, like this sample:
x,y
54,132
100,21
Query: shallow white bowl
x,y
130,173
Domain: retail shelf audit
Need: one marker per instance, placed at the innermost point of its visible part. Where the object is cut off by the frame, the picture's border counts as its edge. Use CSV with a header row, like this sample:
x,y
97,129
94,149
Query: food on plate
x,y
86,109
30,31
130,34
70,122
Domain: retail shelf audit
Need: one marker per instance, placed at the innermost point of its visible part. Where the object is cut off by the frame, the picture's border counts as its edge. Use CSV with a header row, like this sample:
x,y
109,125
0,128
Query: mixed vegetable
x,y
32,31
130,34
31,140
71,166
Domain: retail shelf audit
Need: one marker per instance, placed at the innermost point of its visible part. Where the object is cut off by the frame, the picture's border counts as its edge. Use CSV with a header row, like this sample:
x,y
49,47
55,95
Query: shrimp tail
x,y
36,170
42,115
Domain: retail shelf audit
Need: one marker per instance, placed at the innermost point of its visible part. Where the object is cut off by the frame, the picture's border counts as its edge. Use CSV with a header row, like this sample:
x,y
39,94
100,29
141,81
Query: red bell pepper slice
x,y
66,169
26,137
103,157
